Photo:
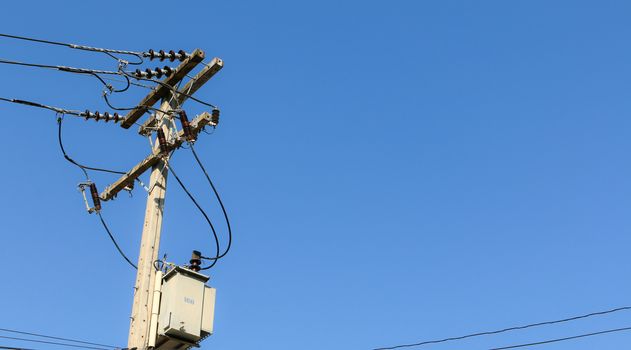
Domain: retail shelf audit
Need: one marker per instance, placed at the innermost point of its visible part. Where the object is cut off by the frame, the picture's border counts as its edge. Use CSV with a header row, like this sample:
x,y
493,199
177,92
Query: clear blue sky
x,y
395,171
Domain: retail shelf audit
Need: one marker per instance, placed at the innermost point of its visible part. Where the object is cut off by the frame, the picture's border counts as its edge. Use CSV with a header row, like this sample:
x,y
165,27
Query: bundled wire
x,y
109,52
39,105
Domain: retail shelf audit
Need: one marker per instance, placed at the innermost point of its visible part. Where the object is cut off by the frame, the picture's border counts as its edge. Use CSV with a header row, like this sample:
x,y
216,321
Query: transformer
x,y
187,310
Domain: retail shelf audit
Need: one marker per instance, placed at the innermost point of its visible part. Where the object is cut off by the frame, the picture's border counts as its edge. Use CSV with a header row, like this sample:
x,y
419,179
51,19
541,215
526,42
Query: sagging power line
x,y
509,329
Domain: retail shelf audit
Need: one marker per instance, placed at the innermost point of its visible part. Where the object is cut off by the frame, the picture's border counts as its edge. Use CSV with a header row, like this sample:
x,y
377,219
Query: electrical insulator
x,y
167,70
98,116
215,117
163,142
96,201
182,55
186,126
196,261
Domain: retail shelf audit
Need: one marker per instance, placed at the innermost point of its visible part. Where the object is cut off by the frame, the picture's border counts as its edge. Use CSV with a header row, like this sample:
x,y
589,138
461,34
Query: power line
x,y
563,339
177,178
95,73
39,105
61,68
75,46
223,208
109,233
57,338
14,348
56,343
85,172
81,166
574,318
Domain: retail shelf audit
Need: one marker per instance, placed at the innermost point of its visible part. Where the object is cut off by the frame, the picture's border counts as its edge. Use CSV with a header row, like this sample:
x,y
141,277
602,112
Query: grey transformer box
x,y
187,310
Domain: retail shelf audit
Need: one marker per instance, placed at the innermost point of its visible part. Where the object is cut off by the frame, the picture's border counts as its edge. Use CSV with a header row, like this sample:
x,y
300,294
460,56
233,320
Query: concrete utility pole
x,y
139,331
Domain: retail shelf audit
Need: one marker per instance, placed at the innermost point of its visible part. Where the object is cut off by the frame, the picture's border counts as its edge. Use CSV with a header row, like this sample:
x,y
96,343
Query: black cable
x,y
563,339
39,105
56,338
14,348
574,318
78,47
95,72
61,68
81,166
177,178
114,241
55,343
223,208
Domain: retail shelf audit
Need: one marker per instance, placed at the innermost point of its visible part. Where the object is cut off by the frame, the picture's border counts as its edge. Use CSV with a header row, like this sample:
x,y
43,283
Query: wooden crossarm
x,y
128,179
190,88
162,91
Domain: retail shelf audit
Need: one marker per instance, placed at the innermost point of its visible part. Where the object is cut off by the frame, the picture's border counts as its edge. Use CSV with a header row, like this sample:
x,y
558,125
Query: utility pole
x,y
140,325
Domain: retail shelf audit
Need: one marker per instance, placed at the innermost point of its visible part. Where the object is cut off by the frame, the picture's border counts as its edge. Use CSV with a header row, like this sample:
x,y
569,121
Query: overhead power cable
x,y
57,343
39,105
574,318
95,72
78,47
57,338
223,208
201,210
81,166
562,339
109,233
61,68
85,172
14,348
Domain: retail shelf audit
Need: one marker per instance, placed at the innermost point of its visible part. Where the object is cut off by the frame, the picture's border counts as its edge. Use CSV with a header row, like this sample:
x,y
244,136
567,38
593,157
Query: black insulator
x,y
106,116
168,71
87,114
171,55
152,54
182,55
96,201
196,261
138,73
163,55
215,116
116,117
97,116
163,142
186,126
159,72
149,73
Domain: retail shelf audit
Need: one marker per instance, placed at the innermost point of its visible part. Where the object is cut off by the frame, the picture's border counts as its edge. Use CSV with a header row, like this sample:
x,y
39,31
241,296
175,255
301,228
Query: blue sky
x,y
394,171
